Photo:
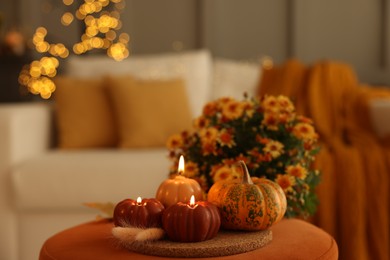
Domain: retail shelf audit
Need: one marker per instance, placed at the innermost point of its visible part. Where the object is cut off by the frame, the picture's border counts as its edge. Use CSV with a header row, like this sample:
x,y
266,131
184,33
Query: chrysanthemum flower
x,y
210,109
270,104
297,171
285,117
225,173
261,139
191,169
208,135
304,131
285,181
270,120
174,141
285,104
304,119
274,148
225,138
232,109
209,148
201,122
243,158
249,108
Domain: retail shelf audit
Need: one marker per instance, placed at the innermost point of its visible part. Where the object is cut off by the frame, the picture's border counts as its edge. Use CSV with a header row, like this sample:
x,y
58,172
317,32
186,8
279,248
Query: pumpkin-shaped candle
x,y
191,222
142,213
248,204
178,189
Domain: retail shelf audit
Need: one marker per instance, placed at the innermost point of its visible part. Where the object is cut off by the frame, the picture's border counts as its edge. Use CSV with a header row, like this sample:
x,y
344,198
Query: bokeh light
x,y
67,18
36,76
102,21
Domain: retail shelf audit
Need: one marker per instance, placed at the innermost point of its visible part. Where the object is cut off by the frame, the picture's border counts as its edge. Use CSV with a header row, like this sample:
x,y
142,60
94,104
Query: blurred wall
x,y
353,31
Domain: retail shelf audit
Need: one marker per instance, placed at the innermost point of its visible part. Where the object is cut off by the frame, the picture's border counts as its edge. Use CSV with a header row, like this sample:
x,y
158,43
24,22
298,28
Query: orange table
x,y
292,239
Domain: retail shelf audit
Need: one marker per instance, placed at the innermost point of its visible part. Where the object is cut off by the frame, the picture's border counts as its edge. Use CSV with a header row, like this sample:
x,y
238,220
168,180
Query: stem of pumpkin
x,y
246,177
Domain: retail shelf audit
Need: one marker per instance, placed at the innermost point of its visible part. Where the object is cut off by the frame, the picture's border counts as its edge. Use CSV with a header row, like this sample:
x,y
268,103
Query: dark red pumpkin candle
x,y
191,222
142,213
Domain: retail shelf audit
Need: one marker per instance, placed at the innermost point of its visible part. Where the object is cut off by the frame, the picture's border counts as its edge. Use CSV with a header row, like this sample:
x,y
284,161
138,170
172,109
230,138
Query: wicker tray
x,y
225,243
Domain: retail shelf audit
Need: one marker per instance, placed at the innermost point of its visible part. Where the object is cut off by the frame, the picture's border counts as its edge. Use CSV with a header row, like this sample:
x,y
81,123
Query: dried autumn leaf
x,y
107,209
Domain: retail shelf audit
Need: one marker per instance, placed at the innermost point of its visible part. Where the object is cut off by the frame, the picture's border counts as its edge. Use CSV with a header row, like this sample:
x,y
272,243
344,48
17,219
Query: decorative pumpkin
x,y
178,189
143,213
248,205
191,222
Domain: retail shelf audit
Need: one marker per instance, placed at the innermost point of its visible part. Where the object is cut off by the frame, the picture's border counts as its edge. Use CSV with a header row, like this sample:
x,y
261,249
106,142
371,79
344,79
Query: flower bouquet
x,y
266,134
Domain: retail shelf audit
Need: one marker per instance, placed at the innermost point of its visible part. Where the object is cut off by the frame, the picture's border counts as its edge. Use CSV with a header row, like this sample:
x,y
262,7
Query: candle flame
x,y
139,200
180,169
192,201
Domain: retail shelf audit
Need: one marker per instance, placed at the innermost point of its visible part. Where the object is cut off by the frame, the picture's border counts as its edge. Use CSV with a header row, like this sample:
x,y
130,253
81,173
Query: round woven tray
x,y
225,243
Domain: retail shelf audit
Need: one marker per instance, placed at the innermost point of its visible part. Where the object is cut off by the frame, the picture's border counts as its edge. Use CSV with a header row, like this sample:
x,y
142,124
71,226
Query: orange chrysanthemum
x,y
270,104
304,119
174,141
210,109
274,148
208,135
226,139
249,108
297,171
201,122
285,181
209,148
225,173
271,121
304,131
232,109
285,104
191,169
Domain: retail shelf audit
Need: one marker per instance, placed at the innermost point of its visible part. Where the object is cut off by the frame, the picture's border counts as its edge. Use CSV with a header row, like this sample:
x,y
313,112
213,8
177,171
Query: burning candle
x,y
191,222
143,213
178,189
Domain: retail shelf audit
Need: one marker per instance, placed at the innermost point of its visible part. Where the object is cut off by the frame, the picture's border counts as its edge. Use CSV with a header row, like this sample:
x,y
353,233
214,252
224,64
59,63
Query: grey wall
x,y
353,31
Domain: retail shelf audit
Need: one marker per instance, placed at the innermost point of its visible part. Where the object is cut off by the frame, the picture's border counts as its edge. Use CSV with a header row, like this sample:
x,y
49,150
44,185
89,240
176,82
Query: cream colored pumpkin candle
x,y
178,189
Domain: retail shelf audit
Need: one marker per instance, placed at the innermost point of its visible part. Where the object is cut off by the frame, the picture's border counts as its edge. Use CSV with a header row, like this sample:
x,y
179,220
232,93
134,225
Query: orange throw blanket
x,y
354,193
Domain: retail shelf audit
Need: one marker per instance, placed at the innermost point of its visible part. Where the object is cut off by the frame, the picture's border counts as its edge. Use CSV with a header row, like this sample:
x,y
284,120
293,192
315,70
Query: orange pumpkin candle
x,y
178,189
191,222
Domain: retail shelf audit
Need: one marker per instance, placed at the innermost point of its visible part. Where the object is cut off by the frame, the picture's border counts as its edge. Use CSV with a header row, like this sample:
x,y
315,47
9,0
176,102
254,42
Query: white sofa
x,y
43,188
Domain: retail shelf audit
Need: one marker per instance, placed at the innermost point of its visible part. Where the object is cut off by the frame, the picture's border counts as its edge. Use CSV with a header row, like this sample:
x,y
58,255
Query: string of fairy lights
x,y
102,23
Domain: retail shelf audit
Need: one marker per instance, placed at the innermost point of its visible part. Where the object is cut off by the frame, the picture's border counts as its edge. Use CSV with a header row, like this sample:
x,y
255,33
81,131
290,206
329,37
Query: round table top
x,y
292,239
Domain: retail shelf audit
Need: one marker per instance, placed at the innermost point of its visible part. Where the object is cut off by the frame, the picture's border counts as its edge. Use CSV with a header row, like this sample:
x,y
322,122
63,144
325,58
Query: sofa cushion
x,y
233,78
193,66
63,180
149,111
83,114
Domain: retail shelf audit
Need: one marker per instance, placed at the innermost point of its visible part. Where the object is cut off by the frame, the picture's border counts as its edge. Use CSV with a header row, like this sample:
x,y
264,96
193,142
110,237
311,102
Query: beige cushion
x,y
149,111
193,66
83,114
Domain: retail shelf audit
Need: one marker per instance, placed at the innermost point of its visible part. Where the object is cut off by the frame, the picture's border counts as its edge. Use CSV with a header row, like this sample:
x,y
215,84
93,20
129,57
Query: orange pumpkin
x,y
248,204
